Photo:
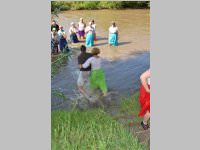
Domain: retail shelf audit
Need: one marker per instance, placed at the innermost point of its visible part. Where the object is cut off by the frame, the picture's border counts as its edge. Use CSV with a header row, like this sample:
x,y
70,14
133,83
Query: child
x,y
145,99
97,77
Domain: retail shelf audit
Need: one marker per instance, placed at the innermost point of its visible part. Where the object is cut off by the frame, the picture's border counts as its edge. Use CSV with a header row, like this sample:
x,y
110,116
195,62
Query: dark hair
x,y
83,48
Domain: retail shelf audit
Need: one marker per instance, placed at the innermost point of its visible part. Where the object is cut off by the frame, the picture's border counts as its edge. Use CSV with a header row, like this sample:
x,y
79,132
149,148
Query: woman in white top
x,y
145,99
81,29
113,34
89,30
97,77
62,39
72,31
94,26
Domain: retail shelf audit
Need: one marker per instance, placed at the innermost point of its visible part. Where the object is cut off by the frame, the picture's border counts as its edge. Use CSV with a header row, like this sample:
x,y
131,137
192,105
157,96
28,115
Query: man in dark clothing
x,y
84,72
54,25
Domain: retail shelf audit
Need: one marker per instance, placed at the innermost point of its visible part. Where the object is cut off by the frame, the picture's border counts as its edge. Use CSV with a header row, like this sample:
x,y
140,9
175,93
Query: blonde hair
x,y
95,51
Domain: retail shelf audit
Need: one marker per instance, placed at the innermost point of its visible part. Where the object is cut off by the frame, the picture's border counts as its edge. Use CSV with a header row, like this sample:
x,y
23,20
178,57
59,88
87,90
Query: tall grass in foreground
x,y
90,130
131,105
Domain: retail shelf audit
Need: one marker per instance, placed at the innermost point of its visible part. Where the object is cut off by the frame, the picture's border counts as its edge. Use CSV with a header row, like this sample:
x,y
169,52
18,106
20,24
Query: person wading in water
x,y
84,73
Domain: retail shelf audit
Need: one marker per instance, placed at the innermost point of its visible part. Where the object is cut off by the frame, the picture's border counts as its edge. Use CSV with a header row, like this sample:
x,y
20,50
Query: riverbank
x,y
112,128
94,5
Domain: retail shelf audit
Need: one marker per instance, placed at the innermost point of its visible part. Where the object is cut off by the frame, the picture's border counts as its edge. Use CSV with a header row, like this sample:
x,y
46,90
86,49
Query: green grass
x,y
131,105
58,94
79,5
60,60
90,130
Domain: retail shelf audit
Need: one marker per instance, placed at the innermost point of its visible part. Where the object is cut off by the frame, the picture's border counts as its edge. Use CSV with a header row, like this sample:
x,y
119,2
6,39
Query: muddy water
x,y
133,25
123,64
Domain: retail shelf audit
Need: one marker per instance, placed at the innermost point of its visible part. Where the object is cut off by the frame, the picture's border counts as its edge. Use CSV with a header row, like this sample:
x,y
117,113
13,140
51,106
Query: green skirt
x,y
97,80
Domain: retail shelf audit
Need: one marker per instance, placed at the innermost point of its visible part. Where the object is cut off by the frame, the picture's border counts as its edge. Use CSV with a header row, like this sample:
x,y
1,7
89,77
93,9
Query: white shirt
x,y
94,61
113,29
81,26
89,29
94,26
72,30
61,32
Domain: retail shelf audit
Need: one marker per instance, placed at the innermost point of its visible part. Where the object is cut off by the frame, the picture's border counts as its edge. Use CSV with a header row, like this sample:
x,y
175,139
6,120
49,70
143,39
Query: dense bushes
x,y
78,5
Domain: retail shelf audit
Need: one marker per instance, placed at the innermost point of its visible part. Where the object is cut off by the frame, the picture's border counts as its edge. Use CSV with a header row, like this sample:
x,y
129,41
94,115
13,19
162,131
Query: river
x,y
123,64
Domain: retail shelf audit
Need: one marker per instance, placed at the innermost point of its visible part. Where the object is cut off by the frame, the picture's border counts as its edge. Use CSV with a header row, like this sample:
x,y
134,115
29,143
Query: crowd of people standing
x,y
80,32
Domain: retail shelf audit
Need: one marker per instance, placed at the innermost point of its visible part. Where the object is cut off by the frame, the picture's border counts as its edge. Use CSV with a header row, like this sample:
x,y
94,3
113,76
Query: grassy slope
x,y
90,130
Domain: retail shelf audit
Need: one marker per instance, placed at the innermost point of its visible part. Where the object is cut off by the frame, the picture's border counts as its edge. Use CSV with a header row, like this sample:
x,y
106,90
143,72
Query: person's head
x,y
92,21
54,30
72,24
83,48
61,27
81,19
95,51
53,22
113,24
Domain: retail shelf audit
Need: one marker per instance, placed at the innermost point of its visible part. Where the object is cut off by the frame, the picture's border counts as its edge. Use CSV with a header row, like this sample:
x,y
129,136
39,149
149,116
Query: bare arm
x,y
144,78
87,63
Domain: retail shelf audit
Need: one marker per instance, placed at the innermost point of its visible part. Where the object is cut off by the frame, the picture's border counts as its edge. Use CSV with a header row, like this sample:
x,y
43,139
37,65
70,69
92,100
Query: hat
x,y
54,29
72,23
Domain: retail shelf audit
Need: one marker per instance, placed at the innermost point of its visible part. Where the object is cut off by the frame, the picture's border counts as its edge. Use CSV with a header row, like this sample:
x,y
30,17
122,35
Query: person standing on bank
x,y
113,35
84,73
145,99
89,30
97,77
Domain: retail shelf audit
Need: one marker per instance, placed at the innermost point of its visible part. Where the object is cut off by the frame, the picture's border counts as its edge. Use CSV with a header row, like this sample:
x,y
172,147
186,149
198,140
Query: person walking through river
x,y
84,73
89,30
72,31
113,35
97,77
81,29
145,99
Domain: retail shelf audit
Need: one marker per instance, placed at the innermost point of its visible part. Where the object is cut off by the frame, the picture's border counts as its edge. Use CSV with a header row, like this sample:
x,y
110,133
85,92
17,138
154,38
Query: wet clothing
x,y
113,36
89,41
81,29
83,78
97,77
113,39
82,59
54,43
144,100
73,38
84,72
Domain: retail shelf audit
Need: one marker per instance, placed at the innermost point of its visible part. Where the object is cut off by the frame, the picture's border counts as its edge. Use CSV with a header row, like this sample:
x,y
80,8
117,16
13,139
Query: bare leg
x,y
82,90
146,118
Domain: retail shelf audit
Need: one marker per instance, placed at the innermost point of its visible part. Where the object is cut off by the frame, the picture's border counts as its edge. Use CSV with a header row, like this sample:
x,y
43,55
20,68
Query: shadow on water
x,y
123,43
101,38
100,44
